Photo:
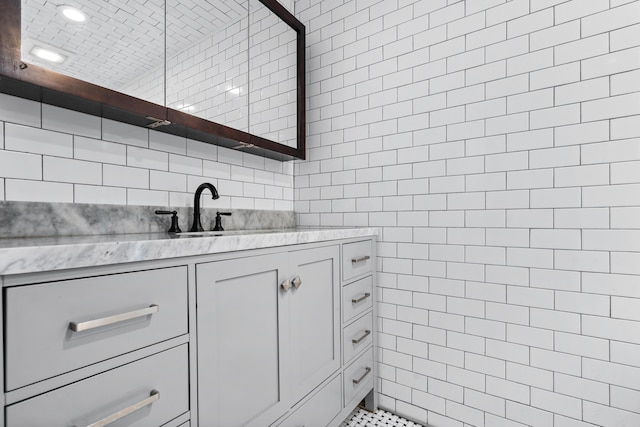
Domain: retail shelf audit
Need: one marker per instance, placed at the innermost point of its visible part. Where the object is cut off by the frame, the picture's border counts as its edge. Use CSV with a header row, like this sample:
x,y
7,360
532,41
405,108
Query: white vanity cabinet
x,y
274,336
148,392
320,409
358,317
269,329
81,351
56,327
333,400
314,319
242,356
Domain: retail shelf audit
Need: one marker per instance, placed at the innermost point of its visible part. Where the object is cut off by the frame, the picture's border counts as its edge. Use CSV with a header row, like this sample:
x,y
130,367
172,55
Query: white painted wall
x,y
496,144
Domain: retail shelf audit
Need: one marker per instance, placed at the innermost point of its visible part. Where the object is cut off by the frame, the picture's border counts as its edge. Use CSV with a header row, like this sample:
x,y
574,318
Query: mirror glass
x,y
272,77
207,60
231,62
116,44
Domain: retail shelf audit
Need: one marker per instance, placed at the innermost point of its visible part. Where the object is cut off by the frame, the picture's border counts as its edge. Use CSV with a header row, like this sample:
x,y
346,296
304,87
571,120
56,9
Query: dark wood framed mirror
x,y
26,79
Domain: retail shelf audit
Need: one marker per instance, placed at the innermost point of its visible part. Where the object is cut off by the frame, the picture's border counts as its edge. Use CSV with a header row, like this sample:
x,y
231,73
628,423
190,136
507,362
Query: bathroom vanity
x,y
264,328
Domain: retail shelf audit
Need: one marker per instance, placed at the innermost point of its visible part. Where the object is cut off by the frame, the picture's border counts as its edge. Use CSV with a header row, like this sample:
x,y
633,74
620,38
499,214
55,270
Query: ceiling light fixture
x,y
47,54
72,13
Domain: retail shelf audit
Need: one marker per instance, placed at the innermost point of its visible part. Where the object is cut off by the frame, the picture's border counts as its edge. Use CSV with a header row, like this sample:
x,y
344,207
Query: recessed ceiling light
x,y
72,13
48,55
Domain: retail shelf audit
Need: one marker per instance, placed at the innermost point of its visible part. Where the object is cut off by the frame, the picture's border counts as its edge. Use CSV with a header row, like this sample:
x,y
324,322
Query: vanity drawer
x,y
111,315
356,259
357,298
158,385
357,336
358,376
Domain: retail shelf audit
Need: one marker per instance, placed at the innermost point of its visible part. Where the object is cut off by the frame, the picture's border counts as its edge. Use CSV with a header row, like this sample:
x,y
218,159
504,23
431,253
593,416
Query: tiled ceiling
x,y
122,39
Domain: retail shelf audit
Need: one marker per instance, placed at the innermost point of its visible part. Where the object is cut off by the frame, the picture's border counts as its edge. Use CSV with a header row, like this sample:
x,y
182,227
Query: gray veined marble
x,y
36,237
36,219
32,255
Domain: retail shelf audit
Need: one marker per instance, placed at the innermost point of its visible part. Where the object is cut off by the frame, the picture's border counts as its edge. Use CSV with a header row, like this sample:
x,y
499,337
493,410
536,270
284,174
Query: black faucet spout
x,y
197,226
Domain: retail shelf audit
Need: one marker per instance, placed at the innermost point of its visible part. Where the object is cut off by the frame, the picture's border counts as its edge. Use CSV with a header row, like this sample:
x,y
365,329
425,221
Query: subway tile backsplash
x,y
36,140
21,111
56,155
70,122
42,191
494,142
125,133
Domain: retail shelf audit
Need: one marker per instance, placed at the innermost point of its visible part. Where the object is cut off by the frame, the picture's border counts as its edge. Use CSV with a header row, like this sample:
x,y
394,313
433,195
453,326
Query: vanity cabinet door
x,y
268,333
314,322
243,356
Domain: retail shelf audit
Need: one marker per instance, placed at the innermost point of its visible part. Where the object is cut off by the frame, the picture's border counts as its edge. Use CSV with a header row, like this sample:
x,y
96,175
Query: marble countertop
x,y
31,255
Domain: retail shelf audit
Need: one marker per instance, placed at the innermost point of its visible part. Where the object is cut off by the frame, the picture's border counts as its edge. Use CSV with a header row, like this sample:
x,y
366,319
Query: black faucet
x,y
197,226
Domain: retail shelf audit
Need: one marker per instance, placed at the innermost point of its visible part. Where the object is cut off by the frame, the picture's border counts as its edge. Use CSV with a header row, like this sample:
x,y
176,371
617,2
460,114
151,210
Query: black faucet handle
x,y
175,228
218,226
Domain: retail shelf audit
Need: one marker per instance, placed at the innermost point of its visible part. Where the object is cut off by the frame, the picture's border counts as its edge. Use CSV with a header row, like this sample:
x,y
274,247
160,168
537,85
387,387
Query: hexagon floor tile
x,y
380,418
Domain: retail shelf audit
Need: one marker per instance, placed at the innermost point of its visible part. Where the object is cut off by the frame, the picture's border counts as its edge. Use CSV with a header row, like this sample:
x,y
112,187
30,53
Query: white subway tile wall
x,y
49,154
495,144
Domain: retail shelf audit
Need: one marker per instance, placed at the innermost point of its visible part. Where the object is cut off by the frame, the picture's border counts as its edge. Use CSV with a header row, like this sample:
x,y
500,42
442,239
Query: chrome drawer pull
x,y
358,260
286,285
153,397
366,372
93,324
362,298
366,334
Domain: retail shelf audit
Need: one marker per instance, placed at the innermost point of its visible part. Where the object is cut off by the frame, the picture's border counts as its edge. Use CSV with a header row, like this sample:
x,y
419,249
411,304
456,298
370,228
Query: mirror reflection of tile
x,y
247,51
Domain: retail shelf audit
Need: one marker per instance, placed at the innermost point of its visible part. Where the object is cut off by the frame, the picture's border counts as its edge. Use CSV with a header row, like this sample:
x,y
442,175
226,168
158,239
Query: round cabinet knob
x,y
286,285
297,282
